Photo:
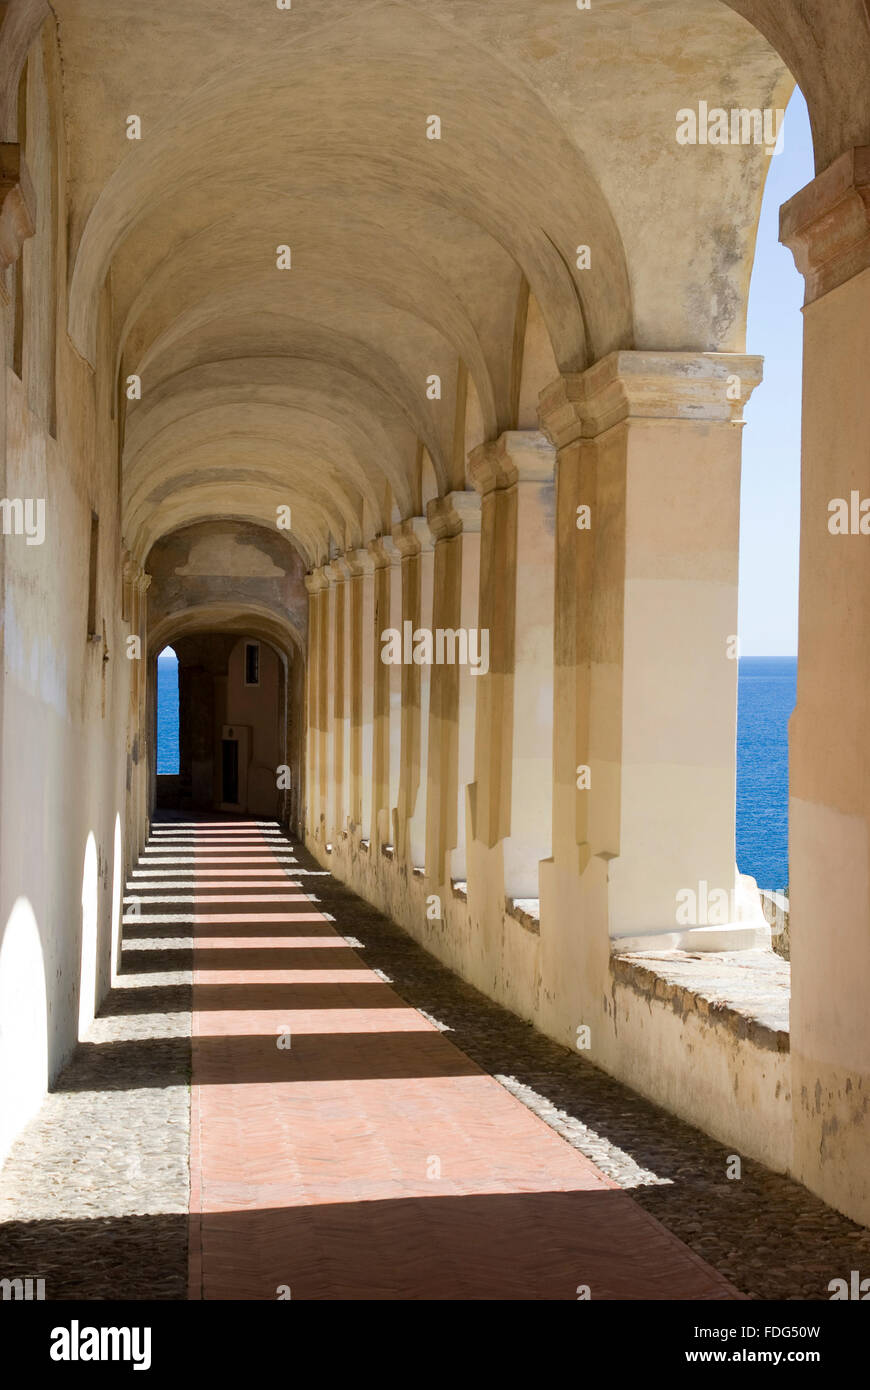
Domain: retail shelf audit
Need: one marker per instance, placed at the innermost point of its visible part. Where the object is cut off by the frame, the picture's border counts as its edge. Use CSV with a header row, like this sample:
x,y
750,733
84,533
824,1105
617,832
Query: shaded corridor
x,y
367,1157
413,1141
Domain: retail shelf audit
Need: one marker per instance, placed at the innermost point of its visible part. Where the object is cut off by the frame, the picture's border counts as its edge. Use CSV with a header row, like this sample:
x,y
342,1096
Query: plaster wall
x,y
66,696
829,831
260,707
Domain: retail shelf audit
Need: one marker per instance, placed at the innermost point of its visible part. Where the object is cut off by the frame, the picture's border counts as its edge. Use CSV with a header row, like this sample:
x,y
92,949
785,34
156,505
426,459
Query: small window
x,y
252,663
18,321
92,578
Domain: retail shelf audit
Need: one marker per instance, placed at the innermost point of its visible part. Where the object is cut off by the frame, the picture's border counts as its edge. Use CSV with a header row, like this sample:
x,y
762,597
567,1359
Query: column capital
x,y
360,561
132,573
338,570
517,456
384,551
413,535
316,580
826,226
712,387
453,514
17,207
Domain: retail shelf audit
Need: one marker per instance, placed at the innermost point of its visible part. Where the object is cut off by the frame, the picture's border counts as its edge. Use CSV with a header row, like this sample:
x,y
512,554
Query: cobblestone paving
x,y
769,1236
94,1197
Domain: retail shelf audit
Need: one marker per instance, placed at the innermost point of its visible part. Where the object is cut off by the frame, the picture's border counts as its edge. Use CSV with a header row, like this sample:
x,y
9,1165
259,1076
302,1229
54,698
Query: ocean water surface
x,y
766,697
167,714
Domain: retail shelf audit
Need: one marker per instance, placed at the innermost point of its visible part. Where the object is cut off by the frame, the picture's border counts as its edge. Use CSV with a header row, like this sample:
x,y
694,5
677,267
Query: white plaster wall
x,y
65,708
63,769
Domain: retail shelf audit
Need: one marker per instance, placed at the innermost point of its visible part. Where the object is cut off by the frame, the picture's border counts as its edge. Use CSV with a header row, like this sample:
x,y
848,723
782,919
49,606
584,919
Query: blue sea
x,y
766,696
767,686
167,714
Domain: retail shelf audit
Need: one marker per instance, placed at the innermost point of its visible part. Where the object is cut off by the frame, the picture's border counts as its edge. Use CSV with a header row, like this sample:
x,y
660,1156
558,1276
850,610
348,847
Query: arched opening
x,y
167,714
228,727
770,533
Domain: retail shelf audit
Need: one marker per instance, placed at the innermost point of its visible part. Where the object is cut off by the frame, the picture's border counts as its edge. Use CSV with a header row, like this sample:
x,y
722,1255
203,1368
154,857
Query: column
x,y
362,686
414,541
324,669
311,705
454,521
318,599
338,574
515,476
646,671
140,751
827,226
387,720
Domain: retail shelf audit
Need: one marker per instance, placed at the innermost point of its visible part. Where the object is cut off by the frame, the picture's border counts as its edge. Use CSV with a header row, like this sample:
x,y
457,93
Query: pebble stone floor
x,y
182,1153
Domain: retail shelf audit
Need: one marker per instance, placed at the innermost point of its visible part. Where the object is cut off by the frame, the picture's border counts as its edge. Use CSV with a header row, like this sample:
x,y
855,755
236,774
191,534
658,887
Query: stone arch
x,y
163,169
265,625
836,39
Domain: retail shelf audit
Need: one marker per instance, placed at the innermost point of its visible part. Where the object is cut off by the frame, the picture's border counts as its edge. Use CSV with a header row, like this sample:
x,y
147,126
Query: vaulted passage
x,y
388,363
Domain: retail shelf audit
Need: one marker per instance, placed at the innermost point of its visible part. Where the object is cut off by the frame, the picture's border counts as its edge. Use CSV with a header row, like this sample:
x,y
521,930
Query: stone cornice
x,y
453,514
517,456
316,580
826,226
384,551
17,207
648,385
360,562
413,535
132,572
338,570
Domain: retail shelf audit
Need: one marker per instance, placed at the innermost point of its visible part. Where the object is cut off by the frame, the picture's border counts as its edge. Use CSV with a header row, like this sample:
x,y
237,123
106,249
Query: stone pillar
x,y
318,600
515,476
325,762
17,224
386,751
338,573
311,705
140,752
415,544
134,587
646,615
362,687
827,226
455,523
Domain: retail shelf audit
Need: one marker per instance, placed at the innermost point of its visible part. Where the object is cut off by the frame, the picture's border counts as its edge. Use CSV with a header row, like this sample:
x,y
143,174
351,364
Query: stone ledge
x,y
746,992
526,911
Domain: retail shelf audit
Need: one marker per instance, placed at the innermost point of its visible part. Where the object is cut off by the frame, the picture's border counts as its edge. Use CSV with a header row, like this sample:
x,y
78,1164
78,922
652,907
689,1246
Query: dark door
x,y
231,770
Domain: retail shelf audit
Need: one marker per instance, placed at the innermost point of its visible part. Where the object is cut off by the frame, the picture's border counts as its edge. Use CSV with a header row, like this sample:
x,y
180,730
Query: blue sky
x,y
770,496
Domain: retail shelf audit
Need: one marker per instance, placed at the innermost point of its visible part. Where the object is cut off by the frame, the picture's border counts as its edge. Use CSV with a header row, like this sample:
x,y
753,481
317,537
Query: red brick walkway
x,y
371,1159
